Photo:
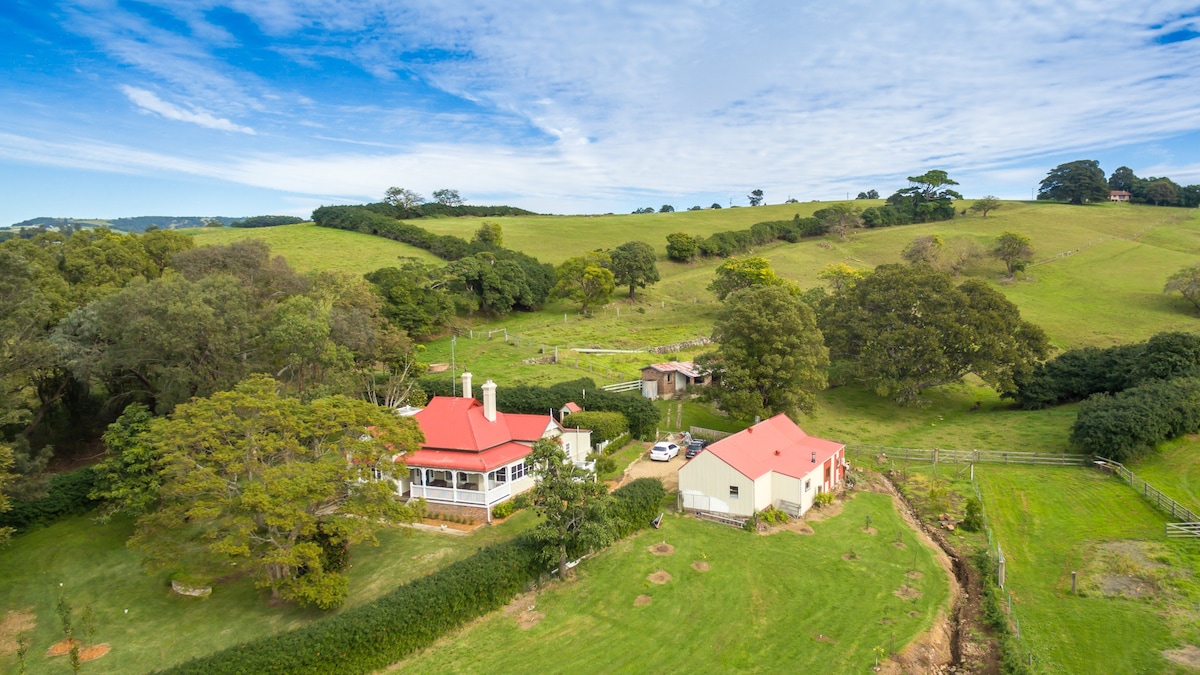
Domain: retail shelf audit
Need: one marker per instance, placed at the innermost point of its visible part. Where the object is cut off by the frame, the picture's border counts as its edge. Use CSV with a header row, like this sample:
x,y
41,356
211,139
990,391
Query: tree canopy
x,y
983,206
905,328
447,197
575,507
634,265
1187,283
269,482
402,198
1015,250
770,356
756,197
1075,182
586,279
737,273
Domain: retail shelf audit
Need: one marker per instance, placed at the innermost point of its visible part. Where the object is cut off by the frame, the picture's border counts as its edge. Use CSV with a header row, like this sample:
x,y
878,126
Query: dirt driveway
x,y
642,467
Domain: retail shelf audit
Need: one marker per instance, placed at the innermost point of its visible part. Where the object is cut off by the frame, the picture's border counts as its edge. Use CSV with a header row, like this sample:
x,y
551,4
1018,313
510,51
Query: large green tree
x,y
263,481
496,284
983,206
574,506
1162,191
634,265
586,279
1015,250
1187,283
928,197
415,297
906,328
737,273
770,356
127,480
1075,182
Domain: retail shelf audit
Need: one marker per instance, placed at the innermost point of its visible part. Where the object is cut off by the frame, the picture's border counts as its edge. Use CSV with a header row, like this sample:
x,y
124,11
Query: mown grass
x,y
150,627
1174,468
785,602
1052,521
310,248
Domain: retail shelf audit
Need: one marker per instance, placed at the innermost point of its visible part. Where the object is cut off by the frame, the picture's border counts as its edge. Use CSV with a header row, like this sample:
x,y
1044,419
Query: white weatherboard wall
x,y
708,476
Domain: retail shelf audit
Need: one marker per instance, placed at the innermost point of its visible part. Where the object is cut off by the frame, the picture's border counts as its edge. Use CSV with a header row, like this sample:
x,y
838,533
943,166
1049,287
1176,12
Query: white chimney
x,y
466,384
489,400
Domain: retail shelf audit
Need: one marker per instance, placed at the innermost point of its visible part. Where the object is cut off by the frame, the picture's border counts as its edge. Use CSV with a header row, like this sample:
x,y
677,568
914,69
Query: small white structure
x,y
772,462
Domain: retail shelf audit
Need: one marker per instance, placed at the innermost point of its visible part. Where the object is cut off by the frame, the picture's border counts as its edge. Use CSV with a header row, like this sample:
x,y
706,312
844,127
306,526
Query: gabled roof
x,y
572,407
688,368
775,444
1121,192
487,460
458,424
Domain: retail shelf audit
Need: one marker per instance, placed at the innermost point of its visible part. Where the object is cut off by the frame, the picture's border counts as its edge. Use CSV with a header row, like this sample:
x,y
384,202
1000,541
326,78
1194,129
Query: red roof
x,y
688,368
458,424
775,444
469,461
572,407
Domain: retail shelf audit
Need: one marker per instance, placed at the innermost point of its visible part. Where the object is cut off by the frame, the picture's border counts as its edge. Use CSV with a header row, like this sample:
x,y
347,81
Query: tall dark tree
x,y
1075,182
682,247
756,197
770,356
928,197
1162,191
905,328
415,297
447,197
633,265
1123,179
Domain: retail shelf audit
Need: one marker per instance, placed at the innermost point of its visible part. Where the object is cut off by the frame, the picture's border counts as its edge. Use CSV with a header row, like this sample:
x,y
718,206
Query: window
x,y
378,474
518,471
733,492
414,475
499,475
462,478
807,485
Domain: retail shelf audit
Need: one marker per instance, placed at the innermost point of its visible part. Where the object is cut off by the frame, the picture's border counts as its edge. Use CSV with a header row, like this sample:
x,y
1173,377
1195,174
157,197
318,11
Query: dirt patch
x,y
529,619
850,556
828,511
1187,655
661,549
899,544
1129,586
824,638
94,652
701,566
907,592
1129,569
641,601
914,575
869,530
796,525
523,610
62,647
642,467
447,525
15,622
660,577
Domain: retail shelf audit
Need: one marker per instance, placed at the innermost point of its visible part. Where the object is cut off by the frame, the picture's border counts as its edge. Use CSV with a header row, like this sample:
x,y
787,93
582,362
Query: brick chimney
x,y
466,384
489,400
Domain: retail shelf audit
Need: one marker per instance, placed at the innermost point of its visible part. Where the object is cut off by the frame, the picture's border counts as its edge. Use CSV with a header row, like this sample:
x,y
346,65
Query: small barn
x,y
665,380
1119,196
773,463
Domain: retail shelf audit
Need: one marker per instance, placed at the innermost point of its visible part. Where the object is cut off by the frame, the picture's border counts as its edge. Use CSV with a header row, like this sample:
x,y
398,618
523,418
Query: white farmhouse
x,y
772,462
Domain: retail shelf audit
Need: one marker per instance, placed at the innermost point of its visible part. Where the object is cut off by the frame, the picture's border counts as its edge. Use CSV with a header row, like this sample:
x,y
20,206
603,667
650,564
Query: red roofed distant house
x,y
475,456
1119,196
665,380
569,408
773,461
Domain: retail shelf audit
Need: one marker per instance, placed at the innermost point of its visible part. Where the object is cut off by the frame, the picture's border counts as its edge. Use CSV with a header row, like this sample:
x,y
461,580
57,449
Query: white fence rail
x,y
631,385
971,456
1177,530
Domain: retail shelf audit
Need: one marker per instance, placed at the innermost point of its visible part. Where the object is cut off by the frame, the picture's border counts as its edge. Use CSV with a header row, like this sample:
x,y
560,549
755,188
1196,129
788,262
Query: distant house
x,y
1119,196
571,407
773,463
474,456
664,380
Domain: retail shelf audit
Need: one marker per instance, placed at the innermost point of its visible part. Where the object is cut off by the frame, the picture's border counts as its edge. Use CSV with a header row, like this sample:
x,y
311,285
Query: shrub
x,y
823,499
1125,425
604,425
504,509
973,516
66,495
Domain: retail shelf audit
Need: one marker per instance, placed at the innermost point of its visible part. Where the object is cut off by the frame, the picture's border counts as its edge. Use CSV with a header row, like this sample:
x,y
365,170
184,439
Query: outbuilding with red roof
x,y
773,463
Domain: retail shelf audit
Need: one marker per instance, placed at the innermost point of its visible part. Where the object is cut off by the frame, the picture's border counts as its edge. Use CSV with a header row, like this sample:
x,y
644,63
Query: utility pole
x,y
453,384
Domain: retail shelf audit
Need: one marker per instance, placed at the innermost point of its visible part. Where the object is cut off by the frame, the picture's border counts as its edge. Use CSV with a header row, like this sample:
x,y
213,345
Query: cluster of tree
x,y
1014,249
927,199
590,279
904,328
605,426
641,414
869,194
137,224
1083,181
1077,374
684,247
406,204
1130,423
266,221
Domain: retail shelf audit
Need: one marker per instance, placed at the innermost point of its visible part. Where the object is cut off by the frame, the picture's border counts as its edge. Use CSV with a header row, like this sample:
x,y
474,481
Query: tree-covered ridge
x,y
128,224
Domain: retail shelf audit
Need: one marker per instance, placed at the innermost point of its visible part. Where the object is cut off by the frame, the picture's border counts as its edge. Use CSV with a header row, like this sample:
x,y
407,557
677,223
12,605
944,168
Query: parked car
x,y
694,448
663,451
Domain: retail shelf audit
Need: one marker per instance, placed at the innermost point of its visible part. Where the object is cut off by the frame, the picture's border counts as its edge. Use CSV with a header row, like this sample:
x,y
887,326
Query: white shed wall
x,y
708,475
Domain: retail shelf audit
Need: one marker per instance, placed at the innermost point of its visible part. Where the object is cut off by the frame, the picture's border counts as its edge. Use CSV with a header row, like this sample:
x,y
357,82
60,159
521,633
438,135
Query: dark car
x,y
694,449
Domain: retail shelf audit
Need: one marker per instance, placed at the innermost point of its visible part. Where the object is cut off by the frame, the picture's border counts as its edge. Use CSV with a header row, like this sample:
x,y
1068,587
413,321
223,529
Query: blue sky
x,y
243,107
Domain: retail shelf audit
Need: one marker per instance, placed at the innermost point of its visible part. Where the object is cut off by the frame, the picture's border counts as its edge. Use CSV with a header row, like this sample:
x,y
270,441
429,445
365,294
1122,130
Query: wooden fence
x,y
936,455
708,434
1177,530
1178,511
631,385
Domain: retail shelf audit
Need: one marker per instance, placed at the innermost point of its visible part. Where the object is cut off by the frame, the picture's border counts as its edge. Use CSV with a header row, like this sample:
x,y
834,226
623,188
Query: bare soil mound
x,y
641,601
869,530
907,592
13,623
914,575
1187,655
94,652
701,566
661,549
660,577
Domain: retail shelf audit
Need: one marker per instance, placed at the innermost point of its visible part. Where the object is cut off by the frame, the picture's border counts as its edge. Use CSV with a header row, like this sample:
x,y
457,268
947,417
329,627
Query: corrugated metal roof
x,y
775,444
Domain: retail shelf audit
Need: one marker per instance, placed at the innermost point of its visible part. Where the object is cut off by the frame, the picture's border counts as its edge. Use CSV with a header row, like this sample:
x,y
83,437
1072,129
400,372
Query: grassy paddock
x,y
767,601
161,628
1138,590
309,248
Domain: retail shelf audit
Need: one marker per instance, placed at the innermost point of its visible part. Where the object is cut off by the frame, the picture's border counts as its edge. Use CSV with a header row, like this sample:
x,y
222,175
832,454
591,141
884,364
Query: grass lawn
x,y
769,603
1052,521
308,247
1175,469
161,628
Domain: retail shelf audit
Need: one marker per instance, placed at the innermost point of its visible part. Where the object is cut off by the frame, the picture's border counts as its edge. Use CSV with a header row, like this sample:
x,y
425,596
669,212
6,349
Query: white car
x,y
663,451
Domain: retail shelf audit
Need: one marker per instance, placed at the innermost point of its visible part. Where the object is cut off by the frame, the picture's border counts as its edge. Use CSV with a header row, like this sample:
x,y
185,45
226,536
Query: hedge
x,y
266,221
66,495
1128,424
604,426
372,636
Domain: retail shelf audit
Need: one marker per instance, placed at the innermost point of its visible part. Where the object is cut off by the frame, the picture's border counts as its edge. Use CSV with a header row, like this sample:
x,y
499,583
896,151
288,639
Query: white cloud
x,y
150,102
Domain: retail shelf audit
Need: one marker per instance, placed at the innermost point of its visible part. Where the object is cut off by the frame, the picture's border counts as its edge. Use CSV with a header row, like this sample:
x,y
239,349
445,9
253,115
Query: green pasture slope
x,y
310,248
780,603
1138,590
148,626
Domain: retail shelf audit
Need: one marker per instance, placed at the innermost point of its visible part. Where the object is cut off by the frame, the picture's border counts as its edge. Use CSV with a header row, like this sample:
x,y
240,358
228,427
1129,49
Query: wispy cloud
x,y
150,102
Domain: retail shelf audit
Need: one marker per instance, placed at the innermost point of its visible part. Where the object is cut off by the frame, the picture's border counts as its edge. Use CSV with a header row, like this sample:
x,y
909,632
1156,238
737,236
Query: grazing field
x,y
1174,468
147,625
1138,590
800,603
310,248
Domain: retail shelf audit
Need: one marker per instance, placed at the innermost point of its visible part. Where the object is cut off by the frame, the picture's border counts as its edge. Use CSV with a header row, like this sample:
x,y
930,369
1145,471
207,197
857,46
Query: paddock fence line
x,y
708,434
935,455
631,385
1179,530
1152,494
